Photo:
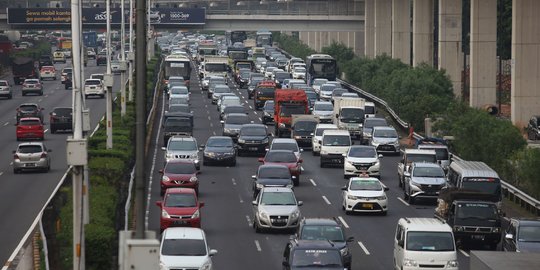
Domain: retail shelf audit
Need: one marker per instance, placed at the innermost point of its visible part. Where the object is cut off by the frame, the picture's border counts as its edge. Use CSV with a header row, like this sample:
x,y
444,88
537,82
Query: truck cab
x,y
349,115
410,156
286,103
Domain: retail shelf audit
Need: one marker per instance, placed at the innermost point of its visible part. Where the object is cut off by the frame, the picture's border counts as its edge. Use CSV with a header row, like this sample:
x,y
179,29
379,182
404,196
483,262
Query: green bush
x,y
523,171
292,45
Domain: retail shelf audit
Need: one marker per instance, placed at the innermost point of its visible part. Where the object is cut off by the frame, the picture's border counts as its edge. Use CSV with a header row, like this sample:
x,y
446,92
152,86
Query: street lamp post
x,y
123,60
130,69
108,79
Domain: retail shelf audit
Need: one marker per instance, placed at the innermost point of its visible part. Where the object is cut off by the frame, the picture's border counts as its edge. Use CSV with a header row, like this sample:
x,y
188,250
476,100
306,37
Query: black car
x,y
271,176
311,255
29,110
61,118
253,138
254,79
45,60
68,82
179,110
176,126
268,112
219,149
522,235
243,78
101,59
233,123
327,229
302,131
533,128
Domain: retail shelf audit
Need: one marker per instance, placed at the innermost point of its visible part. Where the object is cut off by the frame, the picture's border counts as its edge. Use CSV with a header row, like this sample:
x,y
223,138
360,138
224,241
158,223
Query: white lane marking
x,y
326,200
6,123
248,221
213,132
258,246
250,107
343,222
256,113
240,196
247,103
363,248
11,163
46,131
313,182
233,182
46,95
464,253
211,125
209,118
403,201
39,100
260,119
1,173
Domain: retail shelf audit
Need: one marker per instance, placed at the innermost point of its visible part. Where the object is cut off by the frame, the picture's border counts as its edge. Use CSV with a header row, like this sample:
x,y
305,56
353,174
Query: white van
x,y
317,137
424,243
334,143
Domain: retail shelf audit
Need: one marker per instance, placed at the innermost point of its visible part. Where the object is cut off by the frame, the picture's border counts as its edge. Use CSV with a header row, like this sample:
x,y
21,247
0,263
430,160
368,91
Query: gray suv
x,y
233,123
31,156
182,148
276,208
423,180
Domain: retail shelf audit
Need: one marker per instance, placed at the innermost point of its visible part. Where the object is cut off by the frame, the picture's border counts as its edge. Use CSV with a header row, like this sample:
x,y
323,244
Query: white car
x,y
185,248
5,89
385,139
47,72
316,84
362,159
179,92
299,73
364,194
268,72
94,87
324,110
317,137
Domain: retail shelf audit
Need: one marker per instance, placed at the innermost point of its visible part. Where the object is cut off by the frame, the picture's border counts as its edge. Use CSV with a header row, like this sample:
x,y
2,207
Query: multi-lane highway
x,y
227,215
22,196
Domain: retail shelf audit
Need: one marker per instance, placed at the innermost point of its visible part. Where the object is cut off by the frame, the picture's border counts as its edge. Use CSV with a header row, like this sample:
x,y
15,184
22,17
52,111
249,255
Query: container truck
x,y
23,68
349,114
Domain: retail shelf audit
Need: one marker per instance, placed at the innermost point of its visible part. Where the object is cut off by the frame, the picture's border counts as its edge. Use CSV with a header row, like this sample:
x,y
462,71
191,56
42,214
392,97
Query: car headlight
x,y
196,214
377,163
295,214
210,154
193,179
226,130
496,230
263,215
290,186
259,185
241,141
282,125
351,197
410,263
323,152
459,228
344,251
297,137
452,263
381,198
169,156
165,214
396,143
415,184
165,179
206,266
265,140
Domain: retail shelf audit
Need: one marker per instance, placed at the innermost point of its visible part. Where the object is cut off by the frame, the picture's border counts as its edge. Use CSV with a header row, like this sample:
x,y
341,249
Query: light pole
x,y
108,78
130,70
123,61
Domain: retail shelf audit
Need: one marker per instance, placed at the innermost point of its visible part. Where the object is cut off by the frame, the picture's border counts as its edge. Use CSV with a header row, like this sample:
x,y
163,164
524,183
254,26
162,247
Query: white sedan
x,y
365,194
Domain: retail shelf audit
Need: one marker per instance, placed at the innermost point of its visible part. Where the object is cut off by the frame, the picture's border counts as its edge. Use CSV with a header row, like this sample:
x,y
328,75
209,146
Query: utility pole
x,y
130,70
108,78
123,60
76,150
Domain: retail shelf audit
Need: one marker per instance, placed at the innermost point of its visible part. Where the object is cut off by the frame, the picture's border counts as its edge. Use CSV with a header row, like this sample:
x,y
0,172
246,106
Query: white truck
x,y
349,114
215,66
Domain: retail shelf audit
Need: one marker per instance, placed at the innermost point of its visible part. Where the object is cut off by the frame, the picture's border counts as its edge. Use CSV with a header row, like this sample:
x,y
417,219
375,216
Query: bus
x,y
177,65
321,66
264,38
235,36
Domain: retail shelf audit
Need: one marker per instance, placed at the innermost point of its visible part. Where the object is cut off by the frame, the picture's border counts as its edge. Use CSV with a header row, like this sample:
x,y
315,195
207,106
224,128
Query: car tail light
x,y
43,155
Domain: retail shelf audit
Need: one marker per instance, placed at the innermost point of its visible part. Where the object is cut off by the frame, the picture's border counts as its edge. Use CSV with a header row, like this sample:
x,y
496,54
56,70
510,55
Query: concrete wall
x,y
422,32
450,55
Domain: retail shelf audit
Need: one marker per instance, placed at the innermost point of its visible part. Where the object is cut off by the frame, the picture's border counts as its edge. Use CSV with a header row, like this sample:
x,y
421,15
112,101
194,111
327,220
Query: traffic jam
x,y
301,109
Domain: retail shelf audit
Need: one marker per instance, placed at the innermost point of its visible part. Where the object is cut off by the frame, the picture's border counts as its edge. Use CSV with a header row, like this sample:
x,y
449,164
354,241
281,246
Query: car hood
x,y
172,152
315,268
180,211
366,193
429,180
253,138
183,261
274,182
361,160
219,149
179,177
288,164
322,113
384,140
528,246
281,210
232,126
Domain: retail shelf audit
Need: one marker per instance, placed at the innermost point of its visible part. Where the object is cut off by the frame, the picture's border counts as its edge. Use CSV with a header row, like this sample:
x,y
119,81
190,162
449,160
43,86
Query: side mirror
x,y
300,160
344,188
386,188
311,134
261,159
161,171
254,203
344,155
509,236
201,204
350,239
401,243
159,203
266,149
380,156
320,142
337,115
254,177
212,252
163,148
284,263
407,174
300,203
222,122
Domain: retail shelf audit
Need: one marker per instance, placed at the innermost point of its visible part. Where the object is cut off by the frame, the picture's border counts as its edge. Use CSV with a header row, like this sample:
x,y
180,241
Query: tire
x,y
410,199
10,96
296,182
41,93
233,163
256,227
53,131
102,96
322,163
240,153
384,213
15,171
23,94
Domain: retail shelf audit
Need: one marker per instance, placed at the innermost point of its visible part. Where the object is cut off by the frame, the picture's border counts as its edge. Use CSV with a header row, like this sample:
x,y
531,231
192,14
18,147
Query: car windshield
x,y
220,142
177,122
365,185
319,81
369,109
179,91
93,82
421,158
183,247
26,149
336,140
430,241
385,133
285,146
234,109
176,81
484,185
253,131
30,122
278,198
477,210
180,168
529,233
441,153
265,92
428,172
316,258
338,92
222,89
31,81
269,106
237,119
319,131
217,80
352,115
178,100
305,126
255,81
322,232
28,108
328,87
282,75
281,156
374,122
274,172
182,145
62,112
362,152
180,200
179,108
323,107
4,83
288,110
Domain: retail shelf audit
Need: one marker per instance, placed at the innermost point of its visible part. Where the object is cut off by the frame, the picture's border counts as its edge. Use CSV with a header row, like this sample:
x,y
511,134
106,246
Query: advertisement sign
x,y
98,16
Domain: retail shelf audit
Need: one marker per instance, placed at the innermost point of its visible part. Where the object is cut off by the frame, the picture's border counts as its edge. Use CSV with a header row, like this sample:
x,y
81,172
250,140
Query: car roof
x,y
362,146
336,132
426,165
180,191
374,119
30,143
29,104
219,137
323,102
424,224
30,118
183,233
527,221
253,125
92,80
279,151
326,126
277,189
284,140
320,221
355,178
419,151
384,128
182,138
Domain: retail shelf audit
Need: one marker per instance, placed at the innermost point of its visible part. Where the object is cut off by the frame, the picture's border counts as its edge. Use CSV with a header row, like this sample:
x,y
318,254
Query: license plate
x,y
479,237
253,149
180,222
30,165
367,205
279,220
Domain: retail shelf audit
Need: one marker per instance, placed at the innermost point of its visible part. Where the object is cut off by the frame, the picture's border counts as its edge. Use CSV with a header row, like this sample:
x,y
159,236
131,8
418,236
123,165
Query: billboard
x,y
98,16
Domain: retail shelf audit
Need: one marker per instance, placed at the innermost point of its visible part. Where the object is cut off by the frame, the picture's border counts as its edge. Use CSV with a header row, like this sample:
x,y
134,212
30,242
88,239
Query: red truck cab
x,y
286,103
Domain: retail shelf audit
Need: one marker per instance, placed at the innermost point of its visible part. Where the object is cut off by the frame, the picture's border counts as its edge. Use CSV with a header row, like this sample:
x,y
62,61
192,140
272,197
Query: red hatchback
x,y
180,208
285,158
179,173
30,128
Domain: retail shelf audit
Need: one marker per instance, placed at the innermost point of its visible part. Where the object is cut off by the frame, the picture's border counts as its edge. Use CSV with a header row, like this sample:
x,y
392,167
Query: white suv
x,y
362,159
334,143
185,248
422,243
94,87
181,147
317,137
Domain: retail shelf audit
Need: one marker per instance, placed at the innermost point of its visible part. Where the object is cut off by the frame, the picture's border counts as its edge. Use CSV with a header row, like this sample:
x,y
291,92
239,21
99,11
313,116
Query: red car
x,y
285,158
30,128
180,208
179,173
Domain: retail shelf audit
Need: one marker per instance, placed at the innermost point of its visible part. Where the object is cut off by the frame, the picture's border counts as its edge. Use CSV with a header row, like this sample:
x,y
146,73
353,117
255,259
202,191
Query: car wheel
x,y
10,96
405,196
48,168
384,213
15,171
400,183
102,96
410,199
23,94
233,163
256,227
53,130
296,181
41,93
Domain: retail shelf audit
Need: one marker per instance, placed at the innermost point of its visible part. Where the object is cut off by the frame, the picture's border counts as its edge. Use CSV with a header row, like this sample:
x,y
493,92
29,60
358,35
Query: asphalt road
x,y
22,196
227,215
